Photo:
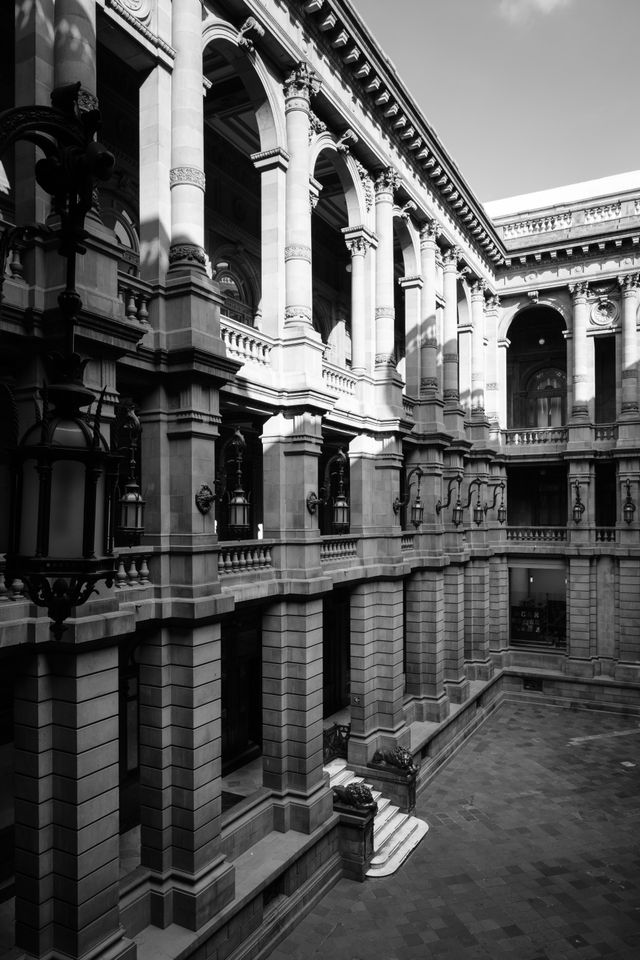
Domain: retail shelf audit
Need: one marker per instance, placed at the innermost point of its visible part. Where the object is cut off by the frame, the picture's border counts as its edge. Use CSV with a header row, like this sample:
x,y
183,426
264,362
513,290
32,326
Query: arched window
x,y
236,292
547,398
119,219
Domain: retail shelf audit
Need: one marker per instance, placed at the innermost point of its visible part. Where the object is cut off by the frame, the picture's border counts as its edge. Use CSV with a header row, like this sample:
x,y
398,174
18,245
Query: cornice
x,y
344,37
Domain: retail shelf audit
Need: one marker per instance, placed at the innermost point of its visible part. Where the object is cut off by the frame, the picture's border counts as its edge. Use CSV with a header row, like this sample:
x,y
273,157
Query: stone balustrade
x,y
537,534
535,436
244,556
132,569
605,431
245,343
407,541
338,548
135,295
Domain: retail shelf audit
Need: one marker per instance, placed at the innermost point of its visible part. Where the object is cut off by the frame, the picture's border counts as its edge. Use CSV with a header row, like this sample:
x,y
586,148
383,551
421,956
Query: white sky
x,y
524,94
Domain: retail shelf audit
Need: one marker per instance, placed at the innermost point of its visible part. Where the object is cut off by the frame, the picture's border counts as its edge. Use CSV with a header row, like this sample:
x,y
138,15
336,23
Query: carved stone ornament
x,y
429,232
357,246
406,211
316,126
191,175
297,251
303,81
387,181
604,312
249,31
86,101
388,313
629,284
451,257
297,314
348,139
579,291
204,499
385,360
492,304
139,8
367,184
356,795
398,757
190,252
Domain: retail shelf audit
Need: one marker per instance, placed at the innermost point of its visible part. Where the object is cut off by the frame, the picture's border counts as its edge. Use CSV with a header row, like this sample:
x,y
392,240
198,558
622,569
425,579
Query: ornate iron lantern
x,y
628,507
578,505
239,507
131,504
457,512
64,473
335,469
417,508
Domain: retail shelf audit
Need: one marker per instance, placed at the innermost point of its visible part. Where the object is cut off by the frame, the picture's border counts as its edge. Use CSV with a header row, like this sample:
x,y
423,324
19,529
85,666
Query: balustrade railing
x,y
244,556
408,407
135,295
527,436
338,548
605,431
605,535
407,541
244,343
338,379
132,569
537,534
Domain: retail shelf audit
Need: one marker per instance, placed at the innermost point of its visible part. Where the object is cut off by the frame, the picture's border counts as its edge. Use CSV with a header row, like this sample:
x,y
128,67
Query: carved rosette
x,y
604,312
297,251
386,182
190,175
141,9
429,233
297,314
301,84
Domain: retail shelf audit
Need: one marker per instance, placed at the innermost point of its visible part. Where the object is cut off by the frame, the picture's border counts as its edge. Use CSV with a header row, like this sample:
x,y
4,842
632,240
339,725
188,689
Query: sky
x,y
524,94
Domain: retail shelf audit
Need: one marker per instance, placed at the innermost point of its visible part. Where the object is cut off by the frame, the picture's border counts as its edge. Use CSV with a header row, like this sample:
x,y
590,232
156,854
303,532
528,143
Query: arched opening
x,y
331,263
537,370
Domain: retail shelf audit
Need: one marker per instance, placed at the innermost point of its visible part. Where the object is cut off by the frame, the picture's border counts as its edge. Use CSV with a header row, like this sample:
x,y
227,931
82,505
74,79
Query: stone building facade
x,y
428,410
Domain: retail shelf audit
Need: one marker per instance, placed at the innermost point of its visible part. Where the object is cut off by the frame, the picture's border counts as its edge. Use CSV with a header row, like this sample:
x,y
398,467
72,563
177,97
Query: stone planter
x,y
392,782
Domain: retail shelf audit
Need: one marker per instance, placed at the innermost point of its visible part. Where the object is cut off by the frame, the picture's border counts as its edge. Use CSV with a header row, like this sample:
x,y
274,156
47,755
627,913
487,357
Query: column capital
x,y
302,83
492,303
579,291
629,284
451,258
386,182
276,158
359,239
430,230
477,288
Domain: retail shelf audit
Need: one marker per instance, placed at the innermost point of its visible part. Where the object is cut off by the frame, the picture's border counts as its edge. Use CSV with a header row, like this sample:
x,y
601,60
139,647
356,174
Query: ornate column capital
x,y
359,240
492,303
302,83
579,290
386,182
477,288
450,258
629,284
429,233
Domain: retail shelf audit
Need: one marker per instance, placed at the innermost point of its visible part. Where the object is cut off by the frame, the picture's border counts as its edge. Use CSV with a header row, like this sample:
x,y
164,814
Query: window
x,y
236,293
546,398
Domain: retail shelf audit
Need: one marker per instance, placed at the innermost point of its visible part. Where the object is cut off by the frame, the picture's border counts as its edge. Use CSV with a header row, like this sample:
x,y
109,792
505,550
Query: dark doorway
x,y
336,661
537,496
605,362
241,690
606,494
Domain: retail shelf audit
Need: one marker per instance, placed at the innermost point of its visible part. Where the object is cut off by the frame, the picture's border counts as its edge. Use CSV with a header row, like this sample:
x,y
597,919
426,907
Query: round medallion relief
x,y
604,312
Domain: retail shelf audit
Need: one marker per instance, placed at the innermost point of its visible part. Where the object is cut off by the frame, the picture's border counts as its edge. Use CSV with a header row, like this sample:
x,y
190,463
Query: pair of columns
x,y
582,378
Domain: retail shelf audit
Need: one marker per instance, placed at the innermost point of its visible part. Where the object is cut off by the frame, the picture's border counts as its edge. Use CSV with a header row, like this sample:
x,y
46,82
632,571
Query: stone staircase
x,y
395,834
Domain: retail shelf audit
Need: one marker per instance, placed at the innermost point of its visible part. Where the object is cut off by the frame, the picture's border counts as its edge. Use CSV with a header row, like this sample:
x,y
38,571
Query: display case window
x,y
538,607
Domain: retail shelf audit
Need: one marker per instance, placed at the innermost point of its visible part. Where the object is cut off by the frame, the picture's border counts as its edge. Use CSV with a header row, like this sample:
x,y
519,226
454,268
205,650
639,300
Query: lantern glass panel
x,y
29,509
340,513
417,512
239,512
67,509
457,515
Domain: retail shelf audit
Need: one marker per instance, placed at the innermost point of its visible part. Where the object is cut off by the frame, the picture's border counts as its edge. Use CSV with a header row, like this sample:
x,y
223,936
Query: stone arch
x,y
347,171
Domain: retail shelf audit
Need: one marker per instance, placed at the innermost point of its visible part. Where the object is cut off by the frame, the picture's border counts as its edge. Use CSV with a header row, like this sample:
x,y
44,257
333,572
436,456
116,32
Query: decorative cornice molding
x,y
135,20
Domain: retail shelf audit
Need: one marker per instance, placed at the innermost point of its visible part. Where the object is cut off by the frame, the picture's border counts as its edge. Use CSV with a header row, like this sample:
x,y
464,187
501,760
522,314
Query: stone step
x,y
392,823
395,852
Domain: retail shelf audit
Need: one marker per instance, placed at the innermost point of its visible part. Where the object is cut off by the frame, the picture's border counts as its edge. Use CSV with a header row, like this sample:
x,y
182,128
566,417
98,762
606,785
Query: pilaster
x,y
425,644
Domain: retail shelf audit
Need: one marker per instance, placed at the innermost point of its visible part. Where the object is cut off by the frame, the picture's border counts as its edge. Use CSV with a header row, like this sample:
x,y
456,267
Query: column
x,y
429,386
477,348
187,180
377,679
359,240
502,387
450,354
580,378
629,286
582,609
412,287
491,312
272,166
425,646
155,165
385,184
477,622
301,84
292,714
456,682
66,807
180,775
74,42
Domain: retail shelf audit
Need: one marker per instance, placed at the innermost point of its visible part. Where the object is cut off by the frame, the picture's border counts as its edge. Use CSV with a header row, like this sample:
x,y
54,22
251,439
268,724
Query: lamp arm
x,y
443,506
496,487
404,501
476,482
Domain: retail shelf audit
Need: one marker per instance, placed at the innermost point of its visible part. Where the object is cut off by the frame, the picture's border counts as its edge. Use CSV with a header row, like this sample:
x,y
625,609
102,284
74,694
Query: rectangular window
x,y
605,364
538,607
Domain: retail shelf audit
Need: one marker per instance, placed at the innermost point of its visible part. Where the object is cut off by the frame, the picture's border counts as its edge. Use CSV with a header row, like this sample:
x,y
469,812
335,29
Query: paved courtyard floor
x,y
533,853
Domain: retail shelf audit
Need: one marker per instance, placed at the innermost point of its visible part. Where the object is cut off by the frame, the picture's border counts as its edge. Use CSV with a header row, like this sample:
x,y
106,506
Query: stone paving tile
x,y
533,853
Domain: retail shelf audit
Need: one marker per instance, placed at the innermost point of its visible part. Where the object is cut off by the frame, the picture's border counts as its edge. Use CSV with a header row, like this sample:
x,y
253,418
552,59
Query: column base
x,y
190,902
479,669
457,690
433,709
303,814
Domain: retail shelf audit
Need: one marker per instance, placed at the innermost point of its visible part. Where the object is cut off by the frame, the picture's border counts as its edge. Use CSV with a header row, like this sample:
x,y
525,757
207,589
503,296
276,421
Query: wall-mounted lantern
x,y
457,512
232,456
333,490
628,507
578,506
417,507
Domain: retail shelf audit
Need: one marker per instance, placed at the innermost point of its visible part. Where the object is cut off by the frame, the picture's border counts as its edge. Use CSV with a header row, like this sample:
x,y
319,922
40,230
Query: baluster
x,y
250,557
242,559
130,308
16,270
220,564
267,556
143,312
17,589
121,574
228,567
4,593
234,560
144,572
133,573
